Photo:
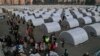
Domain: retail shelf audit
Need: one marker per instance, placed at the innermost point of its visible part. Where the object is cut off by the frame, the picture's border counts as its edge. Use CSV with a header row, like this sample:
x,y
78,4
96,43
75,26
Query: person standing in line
x,y
66,52
62,44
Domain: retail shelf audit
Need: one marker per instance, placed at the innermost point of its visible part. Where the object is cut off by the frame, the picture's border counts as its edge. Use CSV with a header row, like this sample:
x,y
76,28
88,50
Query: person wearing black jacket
x,y
8,41
66,52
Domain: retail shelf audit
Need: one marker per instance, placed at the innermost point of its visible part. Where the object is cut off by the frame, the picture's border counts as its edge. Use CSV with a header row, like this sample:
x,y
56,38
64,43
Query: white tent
x,y
98,9
88,14
83,10
56,18
74,36
57,14
71,23
78,14
95,13
93,29
86,20
21,15
31,12
45,16
27,17
51,27
37,14
37,22
69,16
96,18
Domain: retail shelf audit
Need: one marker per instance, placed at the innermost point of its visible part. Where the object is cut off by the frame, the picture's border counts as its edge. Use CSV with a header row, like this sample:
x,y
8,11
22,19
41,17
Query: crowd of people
x,y
20,45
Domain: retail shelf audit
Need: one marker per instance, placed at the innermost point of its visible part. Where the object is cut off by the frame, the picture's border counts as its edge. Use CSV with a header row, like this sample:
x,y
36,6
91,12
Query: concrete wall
x,y
42,6
22,2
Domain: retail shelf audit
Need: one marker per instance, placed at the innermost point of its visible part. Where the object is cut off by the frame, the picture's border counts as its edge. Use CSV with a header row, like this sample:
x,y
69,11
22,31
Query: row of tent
x,y
80,35
49,21
73,17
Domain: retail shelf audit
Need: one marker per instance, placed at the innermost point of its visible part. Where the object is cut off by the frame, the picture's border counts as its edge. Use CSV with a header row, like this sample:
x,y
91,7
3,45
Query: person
x,y
66,52
1,40
62,44
86,54
32,42
42,46
53,38
36,46
8,40
30,31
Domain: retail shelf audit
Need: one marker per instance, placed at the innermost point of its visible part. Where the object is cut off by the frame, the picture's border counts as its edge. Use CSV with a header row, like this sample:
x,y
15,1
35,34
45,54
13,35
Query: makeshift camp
x,y
37,22
74,36
70,23
93,29
51,27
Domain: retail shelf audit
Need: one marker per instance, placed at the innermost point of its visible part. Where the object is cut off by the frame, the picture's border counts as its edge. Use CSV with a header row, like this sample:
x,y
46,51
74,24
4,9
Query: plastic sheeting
x,y
71,22
37,22
51,27
74,36
87,20
93,29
